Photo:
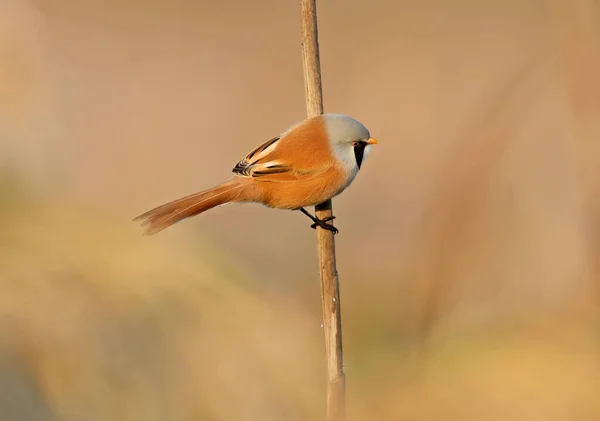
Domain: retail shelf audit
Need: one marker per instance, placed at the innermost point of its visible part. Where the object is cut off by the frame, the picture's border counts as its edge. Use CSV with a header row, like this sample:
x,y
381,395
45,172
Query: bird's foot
x,y
323,224
320,222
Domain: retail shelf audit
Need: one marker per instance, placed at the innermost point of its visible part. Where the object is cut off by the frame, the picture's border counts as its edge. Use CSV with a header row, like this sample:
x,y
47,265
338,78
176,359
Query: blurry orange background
x,y
468,247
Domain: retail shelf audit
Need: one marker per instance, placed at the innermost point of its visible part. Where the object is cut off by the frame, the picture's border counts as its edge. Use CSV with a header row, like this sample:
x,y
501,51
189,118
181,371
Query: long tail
x,y
164,216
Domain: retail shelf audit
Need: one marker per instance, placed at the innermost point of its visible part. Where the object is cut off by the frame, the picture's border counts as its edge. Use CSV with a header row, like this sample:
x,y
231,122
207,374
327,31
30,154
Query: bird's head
x,y
350,140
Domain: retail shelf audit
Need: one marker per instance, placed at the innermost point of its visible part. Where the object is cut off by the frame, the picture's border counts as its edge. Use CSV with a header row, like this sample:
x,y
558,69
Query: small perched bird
x,y
306,165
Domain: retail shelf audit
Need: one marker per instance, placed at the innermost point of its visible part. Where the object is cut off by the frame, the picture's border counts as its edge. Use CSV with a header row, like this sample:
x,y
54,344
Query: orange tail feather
x,y
164,216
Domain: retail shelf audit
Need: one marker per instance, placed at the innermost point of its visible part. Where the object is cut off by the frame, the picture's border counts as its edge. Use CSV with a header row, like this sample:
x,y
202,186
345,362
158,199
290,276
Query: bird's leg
x,y
321,222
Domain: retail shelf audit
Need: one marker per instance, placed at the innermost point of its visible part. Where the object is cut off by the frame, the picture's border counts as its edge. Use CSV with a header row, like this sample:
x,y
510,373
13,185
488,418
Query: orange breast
x,y
308,192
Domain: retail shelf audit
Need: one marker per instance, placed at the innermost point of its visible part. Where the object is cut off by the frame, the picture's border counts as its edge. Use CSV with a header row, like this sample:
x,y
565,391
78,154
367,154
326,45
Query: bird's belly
x,y
297,194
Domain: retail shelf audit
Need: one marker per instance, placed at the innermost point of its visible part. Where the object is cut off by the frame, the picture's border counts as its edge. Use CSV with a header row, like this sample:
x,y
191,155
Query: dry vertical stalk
x,y
330,292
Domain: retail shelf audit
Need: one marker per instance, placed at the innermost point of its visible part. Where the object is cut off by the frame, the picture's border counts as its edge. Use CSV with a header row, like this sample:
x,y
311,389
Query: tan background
x,y
468,243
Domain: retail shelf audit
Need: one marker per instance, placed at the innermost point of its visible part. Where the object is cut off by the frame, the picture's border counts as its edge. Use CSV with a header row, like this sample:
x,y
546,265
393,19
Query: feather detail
x,y
161,217
244,167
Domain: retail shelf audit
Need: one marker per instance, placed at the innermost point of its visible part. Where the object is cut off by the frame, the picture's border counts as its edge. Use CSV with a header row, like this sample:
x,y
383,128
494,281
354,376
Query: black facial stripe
x,y
359,151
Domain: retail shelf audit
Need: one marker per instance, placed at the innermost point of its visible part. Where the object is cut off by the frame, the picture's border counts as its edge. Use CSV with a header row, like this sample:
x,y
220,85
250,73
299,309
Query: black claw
x,y
323,224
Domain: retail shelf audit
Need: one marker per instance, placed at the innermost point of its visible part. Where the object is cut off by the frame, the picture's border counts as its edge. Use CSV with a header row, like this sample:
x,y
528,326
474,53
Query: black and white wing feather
x,y
257,163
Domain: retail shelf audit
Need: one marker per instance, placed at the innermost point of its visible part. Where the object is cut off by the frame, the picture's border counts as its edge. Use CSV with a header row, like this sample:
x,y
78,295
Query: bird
x,y
307,164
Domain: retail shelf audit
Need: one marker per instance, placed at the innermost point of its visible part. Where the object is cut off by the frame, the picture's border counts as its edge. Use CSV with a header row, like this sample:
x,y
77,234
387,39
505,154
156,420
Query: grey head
x,y
350,140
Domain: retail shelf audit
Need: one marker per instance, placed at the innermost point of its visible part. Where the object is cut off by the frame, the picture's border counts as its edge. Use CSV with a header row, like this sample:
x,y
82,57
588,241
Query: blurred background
x,y
469,245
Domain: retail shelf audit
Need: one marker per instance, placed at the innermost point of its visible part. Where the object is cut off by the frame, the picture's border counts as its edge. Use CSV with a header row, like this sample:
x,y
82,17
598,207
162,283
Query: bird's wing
x,y
270,162
246,165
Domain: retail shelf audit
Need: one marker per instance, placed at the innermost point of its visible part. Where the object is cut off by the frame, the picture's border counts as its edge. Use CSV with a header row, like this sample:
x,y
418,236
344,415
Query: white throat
x,y
347,160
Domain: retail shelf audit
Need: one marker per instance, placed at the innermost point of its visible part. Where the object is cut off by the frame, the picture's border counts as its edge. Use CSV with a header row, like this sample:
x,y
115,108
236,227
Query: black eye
x,y
355,143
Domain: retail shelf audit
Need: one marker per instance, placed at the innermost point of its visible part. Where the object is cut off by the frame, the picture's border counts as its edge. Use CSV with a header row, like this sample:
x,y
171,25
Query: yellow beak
x,y
372,141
